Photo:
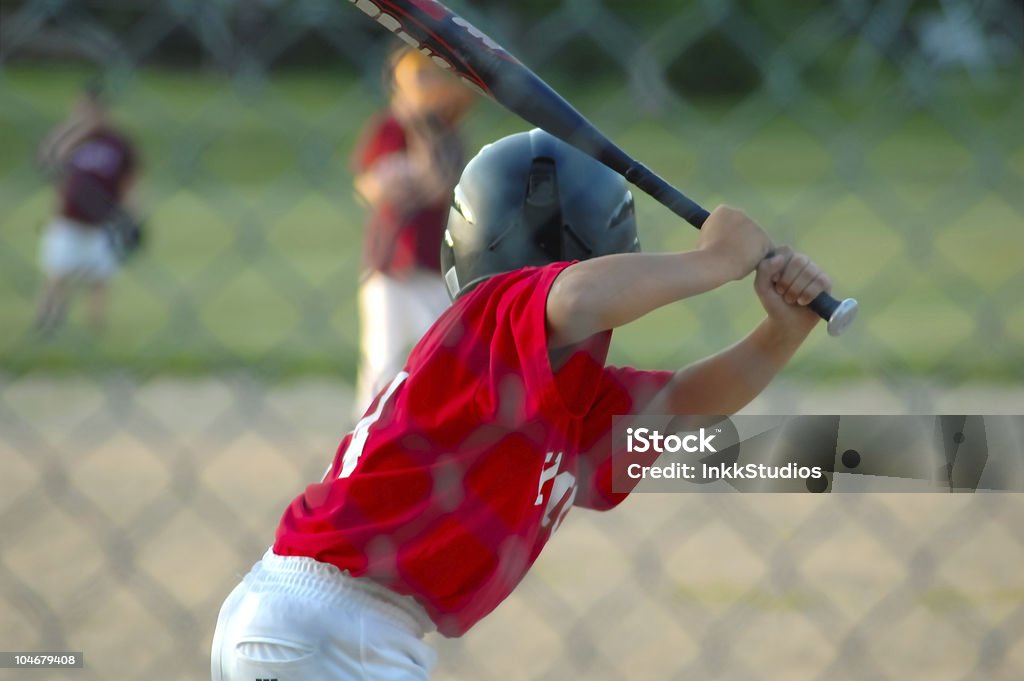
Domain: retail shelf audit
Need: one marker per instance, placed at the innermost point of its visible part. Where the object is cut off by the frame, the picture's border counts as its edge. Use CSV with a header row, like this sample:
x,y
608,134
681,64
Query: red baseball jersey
x,y
399,240
449,487
95,177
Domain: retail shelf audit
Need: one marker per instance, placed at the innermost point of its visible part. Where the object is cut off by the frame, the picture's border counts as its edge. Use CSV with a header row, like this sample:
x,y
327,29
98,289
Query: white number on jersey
x,y
362,429
563,489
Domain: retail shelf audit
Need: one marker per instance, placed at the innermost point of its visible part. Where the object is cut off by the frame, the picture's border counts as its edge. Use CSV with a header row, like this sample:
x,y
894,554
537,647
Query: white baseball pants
x,y
393,315
297,619
68,248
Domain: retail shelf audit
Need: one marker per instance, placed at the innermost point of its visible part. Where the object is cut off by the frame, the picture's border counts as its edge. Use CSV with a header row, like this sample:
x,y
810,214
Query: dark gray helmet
x,y
531,199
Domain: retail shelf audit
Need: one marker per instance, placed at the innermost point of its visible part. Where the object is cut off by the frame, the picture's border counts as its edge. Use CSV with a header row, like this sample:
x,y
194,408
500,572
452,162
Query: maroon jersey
x,y
450,486
95,177
400,239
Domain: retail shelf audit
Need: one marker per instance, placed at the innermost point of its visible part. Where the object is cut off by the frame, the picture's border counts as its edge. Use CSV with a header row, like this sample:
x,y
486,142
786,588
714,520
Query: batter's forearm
x,y
58,145
611,291
726,382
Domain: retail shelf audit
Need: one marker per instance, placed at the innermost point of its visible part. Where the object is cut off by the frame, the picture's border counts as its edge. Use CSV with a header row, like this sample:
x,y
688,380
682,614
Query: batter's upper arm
x,y
567,320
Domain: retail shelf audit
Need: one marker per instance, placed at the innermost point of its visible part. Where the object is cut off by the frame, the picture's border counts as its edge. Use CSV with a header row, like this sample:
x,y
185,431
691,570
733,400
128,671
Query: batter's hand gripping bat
x,y
456,45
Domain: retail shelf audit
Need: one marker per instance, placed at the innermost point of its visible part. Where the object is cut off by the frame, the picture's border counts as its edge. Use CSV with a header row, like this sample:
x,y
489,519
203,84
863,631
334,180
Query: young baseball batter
x,y
443,496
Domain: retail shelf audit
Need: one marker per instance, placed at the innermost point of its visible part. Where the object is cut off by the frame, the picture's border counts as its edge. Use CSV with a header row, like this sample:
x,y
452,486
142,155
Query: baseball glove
x,y
127,234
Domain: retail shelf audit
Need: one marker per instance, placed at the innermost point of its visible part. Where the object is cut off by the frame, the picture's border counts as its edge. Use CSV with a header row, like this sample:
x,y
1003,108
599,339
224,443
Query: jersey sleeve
x,y
521,371
622,391
132,161
382,136
129,164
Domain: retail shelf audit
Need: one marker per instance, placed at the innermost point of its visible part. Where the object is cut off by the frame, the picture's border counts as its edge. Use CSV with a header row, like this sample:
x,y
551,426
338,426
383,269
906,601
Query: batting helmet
x,y
531,199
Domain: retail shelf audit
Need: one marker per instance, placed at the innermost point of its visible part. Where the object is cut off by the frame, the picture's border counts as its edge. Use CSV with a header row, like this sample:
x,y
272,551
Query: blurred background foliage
x,y
882,137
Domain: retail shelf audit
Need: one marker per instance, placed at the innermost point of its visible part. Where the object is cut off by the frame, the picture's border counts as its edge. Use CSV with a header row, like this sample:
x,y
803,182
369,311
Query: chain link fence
x,y
146,466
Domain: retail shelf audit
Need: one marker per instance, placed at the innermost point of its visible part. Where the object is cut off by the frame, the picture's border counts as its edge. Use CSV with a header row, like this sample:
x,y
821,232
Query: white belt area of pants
x,y
304,576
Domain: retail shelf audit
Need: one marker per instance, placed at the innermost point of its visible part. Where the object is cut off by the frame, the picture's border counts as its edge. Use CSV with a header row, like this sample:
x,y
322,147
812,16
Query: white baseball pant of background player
x,y
393,314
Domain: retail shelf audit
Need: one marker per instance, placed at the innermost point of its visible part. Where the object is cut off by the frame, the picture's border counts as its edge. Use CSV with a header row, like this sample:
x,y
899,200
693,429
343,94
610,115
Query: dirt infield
x,y
131,509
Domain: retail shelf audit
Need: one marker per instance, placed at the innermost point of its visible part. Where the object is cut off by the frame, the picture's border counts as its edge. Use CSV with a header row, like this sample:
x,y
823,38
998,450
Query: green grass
x,y
255,236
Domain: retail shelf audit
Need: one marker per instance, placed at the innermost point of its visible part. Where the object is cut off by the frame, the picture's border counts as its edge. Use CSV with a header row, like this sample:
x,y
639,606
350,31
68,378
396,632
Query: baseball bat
x,y
457,46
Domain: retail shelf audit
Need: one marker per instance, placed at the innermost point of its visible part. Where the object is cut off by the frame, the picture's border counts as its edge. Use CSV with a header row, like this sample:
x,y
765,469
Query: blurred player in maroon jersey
x,y
94,166
443,496
406,164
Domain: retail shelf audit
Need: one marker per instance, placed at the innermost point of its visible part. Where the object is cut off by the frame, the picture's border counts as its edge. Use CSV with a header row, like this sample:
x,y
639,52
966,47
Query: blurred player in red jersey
x,y
442,497
406,164
95,167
